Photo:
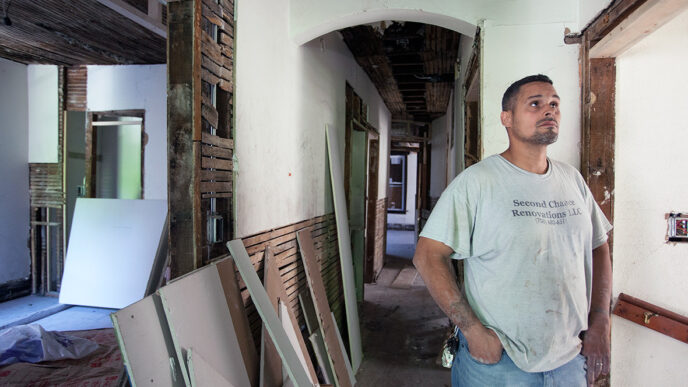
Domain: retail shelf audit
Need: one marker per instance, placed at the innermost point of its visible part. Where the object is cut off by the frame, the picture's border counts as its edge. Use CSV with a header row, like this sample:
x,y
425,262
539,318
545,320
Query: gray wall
x,y
14,172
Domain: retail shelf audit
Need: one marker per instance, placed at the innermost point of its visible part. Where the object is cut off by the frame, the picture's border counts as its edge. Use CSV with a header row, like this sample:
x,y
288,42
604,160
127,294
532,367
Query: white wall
x,y
14,173
43,113
511,52
651,138
137,87
285,95
411,186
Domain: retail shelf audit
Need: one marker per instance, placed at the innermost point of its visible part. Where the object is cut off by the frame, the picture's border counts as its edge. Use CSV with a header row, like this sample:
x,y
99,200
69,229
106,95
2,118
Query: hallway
x,y
401,243
402,332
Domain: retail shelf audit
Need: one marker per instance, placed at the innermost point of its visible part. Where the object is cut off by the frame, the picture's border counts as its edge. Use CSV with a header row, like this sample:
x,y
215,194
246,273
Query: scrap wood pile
x,y
195,331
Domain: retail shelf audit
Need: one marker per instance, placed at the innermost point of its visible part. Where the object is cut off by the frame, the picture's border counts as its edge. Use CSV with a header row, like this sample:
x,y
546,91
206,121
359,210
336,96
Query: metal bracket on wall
x,y
653,317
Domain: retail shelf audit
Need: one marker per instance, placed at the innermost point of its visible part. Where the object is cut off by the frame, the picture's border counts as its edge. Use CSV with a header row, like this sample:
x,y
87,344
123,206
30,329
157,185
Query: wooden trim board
x,y
230,284
146,344
346,359
267,313
274,284
315,337
647,18
271,366
335,351
198,318
344,243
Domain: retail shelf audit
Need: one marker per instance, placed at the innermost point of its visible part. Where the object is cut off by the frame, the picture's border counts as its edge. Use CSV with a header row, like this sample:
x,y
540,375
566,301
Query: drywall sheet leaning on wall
x,y
112,247
344,243
274,327
146,344
198,317
202,374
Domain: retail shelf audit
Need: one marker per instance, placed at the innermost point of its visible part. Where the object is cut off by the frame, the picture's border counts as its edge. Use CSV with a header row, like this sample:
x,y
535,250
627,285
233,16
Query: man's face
x,y
534,117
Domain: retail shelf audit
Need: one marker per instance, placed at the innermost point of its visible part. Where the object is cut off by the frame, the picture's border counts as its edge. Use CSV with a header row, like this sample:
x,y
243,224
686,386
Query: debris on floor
x,y
31,343
102,367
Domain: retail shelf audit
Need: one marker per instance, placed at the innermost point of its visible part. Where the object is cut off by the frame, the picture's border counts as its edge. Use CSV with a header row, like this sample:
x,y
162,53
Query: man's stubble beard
x,y
547,138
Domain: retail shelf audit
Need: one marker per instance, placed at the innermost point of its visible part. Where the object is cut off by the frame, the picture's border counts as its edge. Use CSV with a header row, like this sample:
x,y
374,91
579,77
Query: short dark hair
x,y
512,91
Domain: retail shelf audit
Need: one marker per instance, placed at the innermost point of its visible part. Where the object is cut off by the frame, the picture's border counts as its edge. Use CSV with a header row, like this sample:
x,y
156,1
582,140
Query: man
x,y
537,269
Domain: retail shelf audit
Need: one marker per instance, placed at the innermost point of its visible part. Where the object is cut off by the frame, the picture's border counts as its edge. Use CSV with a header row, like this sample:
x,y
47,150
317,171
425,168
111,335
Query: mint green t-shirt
x,y
526,241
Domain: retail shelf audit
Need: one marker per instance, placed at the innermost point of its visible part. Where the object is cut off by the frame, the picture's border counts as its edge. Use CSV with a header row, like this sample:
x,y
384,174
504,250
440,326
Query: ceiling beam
x,y
153,23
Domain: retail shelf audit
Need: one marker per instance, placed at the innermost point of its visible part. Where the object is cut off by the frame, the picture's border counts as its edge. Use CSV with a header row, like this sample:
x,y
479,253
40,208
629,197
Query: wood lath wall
x,y
76,79
284,247
200,144
380,236
47,201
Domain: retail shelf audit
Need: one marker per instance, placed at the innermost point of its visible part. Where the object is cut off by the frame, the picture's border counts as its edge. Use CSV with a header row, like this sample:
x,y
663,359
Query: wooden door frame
x,y
615,30
90,148
372,189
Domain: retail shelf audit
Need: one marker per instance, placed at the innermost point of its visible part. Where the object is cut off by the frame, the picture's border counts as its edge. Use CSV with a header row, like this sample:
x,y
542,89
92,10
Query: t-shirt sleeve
x,y
600,224
451,221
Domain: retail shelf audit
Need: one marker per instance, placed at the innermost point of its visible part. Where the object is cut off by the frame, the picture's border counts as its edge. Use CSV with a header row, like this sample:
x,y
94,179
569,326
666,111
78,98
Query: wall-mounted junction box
x,y
678,227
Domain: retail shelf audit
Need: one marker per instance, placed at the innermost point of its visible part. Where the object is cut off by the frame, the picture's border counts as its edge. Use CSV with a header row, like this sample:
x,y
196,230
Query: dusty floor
x,y
402,332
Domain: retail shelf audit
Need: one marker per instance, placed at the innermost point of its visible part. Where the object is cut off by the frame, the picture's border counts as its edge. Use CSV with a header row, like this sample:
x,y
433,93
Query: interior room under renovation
x,y
230,192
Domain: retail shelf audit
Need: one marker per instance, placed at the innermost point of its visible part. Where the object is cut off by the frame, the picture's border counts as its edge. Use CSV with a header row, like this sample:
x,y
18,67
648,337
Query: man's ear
x,y
506,118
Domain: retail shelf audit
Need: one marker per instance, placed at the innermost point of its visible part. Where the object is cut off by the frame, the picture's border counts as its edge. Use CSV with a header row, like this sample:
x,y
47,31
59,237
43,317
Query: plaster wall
x,y
411,186
43,113
137,87
285,96
650,156
589,9
511,52
14,174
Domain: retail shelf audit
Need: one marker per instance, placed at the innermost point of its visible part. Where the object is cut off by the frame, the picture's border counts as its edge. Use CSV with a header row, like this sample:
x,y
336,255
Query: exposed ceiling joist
x,y
411,64
76,32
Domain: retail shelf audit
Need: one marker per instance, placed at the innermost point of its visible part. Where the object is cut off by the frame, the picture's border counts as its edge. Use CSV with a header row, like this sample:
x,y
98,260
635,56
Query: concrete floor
x,y
402,332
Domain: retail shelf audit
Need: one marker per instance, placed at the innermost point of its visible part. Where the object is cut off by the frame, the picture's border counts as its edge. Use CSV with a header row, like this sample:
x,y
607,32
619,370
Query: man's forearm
x,y
601,285
434,268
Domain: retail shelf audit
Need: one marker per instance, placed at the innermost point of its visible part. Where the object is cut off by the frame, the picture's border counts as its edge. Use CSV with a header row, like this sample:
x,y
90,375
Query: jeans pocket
x,y
470,356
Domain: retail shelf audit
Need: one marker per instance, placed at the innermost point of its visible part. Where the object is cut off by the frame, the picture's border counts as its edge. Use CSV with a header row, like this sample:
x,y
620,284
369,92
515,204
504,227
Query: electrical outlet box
x,y
678,227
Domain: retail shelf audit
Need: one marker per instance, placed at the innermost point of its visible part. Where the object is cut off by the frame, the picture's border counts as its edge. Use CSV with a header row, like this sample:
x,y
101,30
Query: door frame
x,y
90,147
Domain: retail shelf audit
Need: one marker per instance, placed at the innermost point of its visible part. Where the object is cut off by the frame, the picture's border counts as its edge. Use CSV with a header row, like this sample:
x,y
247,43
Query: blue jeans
x,y
467,372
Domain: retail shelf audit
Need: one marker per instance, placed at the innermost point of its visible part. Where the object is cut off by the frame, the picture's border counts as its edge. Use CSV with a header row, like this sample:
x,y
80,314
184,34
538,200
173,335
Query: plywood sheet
x,y
267,313
112,247
344,243
199,319
146,345
335,351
